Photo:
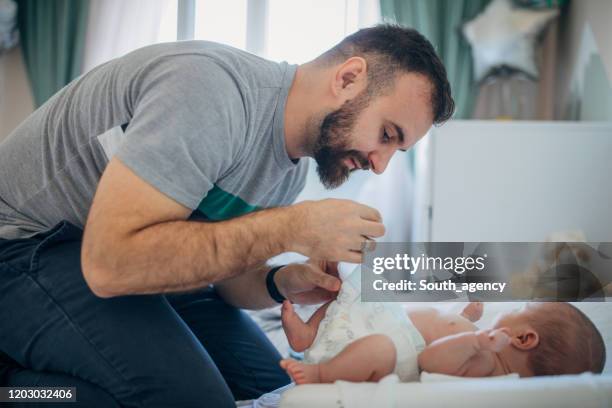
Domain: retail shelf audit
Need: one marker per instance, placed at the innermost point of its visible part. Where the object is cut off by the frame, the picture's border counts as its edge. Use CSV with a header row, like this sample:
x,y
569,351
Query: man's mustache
x,y
363,162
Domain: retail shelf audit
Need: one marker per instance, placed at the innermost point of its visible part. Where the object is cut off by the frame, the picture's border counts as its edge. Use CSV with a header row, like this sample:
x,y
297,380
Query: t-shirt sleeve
x,y
189,124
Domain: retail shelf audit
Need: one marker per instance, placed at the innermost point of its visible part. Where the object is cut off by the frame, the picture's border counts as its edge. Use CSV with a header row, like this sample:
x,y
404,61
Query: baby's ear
x,y
526,339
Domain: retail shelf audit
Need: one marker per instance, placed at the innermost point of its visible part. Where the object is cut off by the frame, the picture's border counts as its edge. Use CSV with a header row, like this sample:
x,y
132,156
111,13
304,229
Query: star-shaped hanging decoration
x,y
506,36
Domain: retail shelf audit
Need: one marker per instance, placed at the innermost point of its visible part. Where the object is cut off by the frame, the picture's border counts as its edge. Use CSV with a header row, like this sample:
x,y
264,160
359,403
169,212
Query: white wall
x,y
16,101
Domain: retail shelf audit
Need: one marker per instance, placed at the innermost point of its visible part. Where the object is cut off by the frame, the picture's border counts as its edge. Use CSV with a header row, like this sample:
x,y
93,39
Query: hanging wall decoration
x,y
504,38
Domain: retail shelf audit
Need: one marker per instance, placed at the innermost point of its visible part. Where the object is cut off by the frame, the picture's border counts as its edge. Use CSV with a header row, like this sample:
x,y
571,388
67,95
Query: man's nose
x,y
380,160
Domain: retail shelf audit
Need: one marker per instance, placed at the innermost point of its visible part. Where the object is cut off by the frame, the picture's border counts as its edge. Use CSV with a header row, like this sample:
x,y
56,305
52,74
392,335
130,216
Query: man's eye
x,y
386,138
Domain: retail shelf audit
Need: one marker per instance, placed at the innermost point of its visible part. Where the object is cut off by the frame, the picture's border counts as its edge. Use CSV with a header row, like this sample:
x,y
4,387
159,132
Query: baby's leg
x,y
473,311
300,334
367,359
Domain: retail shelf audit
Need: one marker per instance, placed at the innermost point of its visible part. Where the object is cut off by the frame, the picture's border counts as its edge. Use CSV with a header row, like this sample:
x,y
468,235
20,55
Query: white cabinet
x,y
514,181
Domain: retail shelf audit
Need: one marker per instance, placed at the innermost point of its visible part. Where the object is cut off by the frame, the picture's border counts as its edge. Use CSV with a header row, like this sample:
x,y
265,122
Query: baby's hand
x,y
473,311
493,339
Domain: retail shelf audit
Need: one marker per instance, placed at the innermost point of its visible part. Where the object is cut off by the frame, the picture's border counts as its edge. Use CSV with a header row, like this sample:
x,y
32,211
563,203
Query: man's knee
x,y
195,384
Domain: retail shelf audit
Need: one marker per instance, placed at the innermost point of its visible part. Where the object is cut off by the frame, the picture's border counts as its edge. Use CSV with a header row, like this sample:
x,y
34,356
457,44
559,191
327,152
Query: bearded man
x,y
140,205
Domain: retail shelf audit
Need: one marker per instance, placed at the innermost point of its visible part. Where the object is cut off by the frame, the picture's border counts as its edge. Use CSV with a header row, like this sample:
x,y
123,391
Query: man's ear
x,y
526,339
350,78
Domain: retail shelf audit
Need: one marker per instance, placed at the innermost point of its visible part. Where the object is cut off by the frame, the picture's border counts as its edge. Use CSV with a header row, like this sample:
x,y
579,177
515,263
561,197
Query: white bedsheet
x,y
269,400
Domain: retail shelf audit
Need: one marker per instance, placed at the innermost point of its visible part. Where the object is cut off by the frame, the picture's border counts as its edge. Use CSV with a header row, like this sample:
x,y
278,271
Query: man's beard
x,y
331,147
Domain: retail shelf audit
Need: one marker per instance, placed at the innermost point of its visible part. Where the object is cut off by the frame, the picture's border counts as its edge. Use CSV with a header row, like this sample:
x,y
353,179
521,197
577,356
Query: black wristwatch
x,y
272,288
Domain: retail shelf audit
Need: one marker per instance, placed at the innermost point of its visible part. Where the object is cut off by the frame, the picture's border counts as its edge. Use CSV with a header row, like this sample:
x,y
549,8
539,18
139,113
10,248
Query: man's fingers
x,y
368,245
331,268
329,282
362,244
324,280
373,229
352,257
369,213
315,296
357,244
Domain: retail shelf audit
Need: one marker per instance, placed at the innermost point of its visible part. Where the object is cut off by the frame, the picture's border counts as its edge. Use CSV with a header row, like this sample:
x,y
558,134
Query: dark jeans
x,y
179,350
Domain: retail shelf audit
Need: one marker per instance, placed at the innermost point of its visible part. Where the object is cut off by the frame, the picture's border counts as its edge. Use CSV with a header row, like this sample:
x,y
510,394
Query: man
x,y
181,161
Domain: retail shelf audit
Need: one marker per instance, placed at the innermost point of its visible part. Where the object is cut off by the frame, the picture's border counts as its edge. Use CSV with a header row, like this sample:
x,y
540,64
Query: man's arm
x,y
137,240
248,290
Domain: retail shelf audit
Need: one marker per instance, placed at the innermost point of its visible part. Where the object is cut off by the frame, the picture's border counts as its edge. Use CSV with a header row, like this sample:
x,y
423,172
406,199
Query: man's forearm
x,y
247,290
183,255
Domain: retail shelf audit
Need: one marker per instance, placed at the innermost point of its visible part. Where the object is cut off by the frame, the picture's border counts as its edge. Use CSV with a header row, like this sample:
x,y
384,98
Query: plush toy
x,y
504,37
8,30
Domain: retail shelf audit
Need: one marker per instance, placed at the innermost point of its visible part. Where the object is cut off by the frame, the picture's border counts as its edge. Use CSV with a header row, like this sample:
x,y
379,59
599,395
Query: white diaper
x,y
348,319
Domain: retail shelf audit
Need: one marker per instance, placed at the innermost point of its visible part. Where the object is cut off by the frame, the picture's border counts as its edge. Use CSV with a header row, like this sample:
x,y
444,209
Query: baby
x,y
350,340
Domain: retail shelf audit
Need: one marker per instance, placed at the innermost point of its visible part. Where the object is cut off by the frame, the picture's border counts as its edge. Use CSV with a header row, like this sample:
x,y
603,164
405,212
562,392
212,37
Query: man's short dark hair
x,y
389,49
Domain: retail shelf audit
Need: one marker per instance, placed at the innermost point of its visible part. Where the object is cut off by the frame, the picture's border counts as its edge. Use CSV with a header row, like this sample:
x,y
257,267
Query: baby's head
x,y
552,339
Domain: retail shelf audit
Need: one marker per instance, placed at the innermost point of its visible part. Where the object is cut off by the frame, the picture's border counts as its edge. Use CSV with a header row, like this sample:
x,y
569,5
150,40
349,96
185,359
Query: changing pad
x,y
567,391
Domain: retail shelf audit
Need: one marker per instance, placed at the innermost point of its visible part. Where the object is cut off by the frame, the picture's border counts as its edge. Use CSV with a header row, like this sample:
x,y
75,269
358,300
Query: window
x,y
168,24
298,31
282,30
221,21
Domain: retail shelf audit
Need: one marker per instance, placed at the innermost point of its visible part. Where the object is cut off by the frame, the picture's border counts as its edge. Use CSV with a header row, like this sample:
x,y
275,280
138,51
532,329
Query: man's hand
x,y
333,229
309,283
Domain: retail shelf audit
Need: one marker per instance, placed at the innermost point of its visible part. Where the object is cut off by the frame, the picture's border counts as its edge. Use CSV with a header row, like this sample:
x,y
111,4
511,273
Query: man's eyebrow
x,y
400,134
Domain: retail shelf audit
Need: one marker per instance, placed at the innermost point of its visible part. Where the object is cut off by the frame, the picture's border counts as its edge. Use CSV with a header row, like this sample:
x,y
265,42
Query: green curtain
x,y
440,21
52,36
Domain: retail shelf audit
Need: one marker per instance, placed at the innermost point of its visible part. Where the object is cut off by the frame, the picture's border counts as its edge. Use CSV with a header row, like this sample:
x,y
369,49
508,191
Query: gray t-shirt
x,y
201,122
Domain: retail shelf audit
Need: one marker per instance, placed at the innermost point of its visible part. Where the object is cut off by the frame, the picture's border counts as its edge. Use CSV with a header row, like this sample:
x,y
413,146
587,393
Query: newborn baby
x,y
350,340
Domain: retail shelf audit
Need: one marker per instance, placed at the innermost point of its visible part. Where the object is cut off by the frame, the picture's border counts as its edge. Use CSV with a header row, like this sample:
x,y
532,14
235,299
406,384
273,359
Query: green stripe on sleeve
x,y
220,205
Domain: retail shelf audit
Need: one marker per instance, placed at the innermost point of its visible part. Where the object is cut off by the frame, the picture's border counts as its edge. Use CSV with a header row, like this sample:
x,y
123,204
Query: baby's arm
x,y
369,358
468,354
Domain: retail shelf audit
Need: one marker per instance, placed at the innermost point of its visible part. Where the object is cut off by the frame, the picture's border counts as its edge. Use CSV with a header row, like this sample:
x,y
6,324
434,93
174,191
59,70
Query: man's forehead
x,y
410,108
410,85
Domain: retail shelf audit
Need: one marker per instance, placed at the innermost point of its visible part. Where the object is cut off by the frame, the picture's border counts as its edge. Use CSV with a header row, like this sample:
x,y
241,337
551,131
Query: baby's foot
x,y
301,373
299,334
473,311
